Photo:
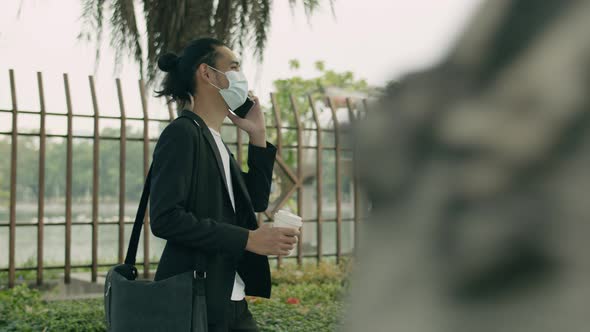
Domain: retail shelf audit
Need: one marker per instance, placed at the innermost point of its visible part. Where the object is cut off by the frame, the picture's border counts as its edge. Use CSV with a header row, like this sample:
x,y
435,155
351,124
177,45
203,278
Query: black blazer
x,y
190,208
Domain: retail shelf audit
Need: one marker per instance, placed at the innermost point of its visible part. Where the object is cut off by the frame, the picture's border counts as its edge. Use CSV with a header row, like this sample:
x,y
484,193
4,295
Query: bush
x,y
325,271
308,299
22,309
276,316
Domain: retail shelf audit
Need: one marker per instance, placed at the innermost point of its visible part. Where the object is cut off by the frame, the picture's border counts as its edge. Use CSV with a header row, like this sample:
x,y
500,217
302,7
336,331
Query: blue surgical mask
x,y
236,93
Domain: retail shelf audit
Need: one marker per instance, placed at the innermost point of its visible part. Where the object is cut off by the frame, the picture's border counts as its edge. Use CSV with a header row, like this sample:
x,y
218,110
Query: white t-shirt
x,y
238,290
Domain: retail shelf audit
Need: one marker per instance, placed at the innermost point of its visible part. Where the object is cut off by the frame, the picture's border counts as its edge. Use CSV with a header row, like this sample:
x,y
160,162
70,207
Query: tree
x,y
171,24
316,87
300,87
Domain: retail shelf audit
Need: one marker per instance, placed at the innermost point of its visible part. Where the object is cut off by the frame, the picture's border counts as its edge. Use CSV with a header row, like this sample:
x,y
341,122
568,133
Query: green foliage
x,y
320,65
30,275
22,309
318,292
18,307
309,293
294,64
315,87
324,272
82,160
274,316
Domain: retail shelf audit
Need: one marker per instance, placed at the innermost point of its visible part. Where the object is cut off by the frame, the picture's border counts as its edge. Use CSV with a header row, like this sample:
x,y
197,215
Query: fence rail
x,y
295,177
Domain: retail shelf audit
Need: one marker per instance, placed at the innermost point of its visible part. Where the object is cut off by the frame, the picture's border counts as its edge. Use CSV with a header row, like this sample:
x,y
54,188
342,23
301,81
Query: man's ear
x,y
202,72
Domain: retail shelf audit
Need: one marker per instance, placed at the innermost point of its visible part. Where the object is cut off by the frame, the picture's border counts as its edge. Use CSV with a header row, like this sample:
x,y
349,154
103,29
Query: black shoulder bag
x,y
173,304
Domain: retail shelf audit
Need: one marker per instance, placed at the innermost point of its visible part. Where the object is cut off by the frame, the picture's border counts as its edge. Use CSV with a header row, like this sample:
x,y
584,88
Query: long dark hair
x,y
180,69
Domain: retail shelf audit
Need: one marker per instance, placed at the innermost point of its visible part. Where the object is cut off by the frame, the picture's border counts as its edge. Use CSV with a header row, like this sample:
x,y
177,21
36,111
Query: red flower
x,y
293,300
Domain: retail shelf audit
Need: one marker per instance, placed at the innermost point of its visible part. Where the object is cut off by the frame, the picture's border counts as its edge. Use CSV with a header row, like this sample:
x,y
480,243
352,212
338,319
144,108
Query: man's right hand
x,y
267,240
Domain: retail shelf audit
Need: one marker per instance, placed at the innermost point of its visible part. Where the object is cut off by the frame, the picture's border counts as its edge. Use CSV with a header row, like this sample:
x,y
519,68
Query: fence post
x,y
299,176
68,258
319,149
41,191
13,156
338,184
355,180
95,181
122,154
279,144
146,166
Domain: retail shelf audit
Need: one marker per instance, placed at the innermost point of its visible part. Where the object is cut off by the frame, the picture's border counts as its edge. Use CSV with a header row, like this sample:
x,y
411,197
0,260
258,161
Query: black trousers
x,y
239,319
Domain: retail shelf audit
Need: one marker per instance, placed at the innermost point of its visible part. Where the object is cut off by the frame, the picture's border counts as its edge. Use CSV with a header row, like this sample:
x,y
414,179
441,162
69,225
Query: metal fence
x,y
291,176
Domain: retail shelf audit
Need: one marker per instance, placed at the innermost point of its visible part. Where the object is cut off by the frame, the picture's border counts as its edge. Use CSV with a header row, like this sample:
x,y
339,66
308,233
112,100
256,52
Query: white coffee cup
x,y
284,218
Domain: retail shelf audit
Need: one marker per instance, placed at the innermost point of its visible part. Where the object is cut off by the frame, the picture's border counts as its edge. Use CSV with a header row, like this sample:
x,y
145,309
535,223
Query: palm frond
x,y
92,28
165,24
125,35
310,6
224,17
241,33
261,24
171,24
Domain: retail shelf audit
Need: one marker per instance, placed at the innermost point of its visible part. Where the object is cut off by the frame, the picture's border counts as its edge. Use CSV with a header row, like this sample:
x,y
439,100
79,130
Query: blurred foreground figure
x,y
478,172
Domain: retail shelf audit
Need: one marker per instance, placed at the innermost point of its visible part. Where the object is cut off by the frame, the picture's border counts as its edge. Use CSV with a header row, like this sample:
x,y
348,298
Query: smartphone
x,y
245,108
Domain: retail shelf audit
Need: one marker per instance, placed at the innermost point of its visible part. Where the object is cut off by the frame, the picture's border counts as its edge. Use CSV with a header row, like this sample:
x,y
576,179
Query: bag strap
x,y
139,217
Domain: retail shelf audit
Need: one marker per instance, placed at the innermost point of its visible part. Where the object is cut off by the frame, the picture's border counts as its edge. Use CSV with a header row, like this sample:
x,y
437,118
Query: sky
x,y
378,40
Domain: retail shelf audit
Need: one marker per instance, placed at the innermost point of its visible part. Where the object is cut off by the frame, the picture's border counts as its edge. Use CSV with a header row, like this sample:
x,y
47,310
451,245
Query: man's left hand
x,y
253,123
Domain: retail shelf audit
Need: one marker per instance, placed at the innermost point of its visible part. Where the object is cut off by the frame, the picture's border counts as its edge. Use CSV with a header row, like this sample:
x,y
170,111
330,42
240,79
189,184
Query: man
x,y
200,200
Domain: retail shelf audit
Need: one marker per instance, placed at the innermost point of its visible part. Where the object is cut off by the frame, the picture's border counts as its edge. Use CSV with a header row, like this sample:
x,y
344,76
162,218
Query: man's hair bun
x,y
168,62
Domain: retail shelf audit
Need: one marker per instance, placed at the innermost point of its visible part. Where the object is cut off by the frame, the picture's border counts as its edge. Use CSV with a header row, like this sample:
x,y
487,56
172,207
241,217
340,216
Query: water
x,y
108,238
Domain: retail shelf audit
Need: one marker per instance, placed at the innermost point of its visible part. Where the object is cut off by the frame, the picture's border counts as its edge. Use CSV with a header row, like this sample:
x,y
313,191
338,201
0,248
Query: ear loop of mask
x,y
218,71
